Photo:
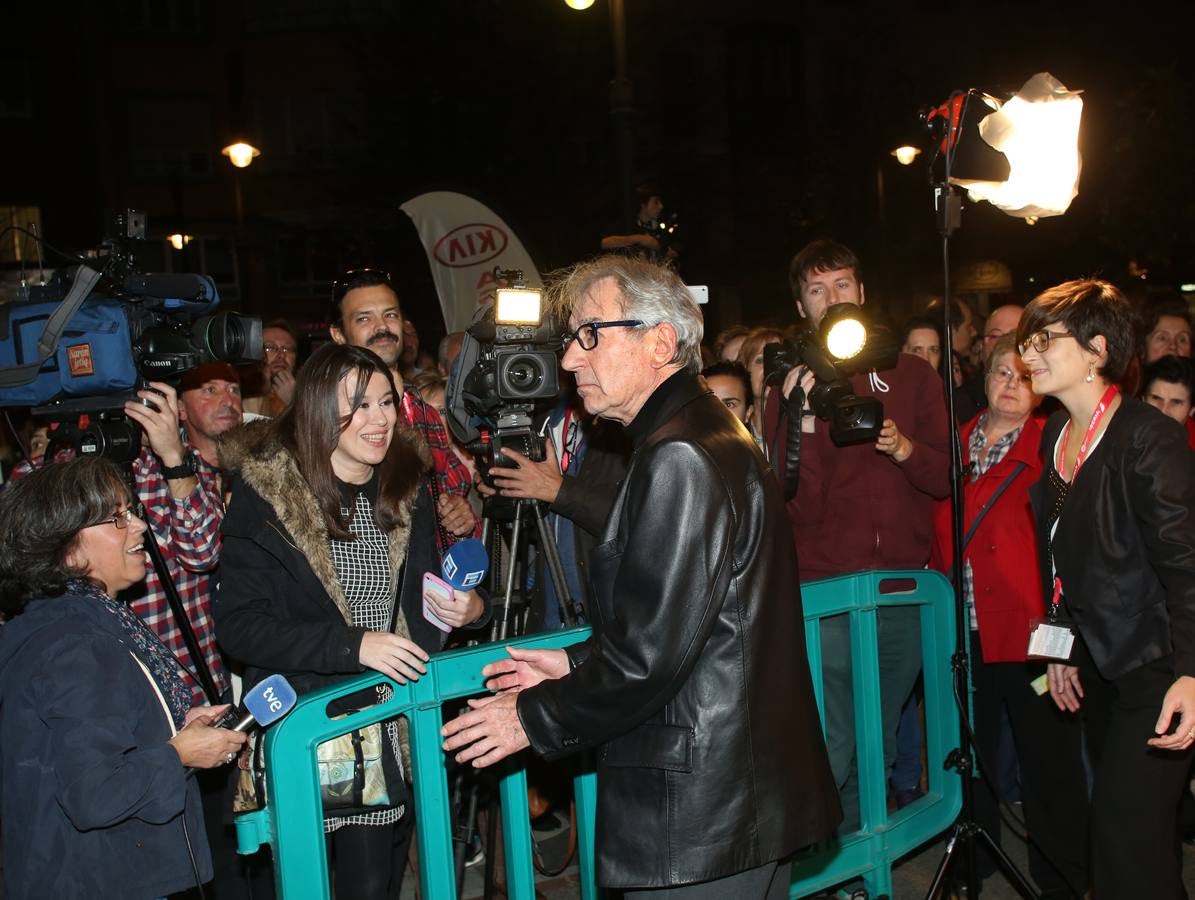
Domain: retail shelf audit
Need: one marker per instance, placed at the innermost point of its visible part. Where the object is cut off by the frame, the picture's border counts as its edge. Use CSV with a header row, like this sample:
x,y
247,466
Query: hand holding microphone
x,y
452,601
207,741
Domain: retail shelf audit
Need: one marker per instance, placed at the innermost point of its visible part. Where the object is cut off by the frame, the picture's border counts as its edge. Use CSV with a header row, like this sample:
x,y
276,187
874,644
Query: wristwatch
x,y
185,469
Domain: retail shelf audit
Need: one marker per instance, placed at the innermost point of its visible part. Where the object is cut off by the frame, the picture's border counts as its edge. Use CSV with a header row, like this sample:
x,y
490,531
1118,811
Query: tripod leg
x,y
466,830
516,532
944,866
1007,866
551,552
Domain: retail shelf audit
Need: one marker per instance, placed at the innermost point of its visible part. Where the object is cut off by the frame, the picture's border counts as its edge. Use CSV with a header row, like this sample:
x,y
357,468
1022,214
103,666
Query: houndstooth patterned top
x,y
363,568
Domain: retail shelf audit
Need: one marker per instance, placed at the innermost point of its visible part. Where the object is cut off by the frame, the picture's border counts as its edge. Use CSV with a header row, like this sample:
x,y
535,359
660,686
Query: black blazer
x,y
695,685
1125,544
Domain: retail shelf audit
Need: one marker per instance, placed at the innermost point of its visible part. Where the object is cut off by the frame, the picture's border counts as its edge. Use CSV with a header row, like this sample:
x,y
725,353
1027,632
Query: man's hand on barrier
x,y
525,668
490,731
529,479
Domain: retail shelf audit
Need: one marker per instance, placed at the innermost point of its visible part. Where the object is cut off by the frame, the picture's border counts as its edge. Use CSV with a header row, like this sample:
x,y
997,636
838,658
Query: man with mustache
x,y
366,313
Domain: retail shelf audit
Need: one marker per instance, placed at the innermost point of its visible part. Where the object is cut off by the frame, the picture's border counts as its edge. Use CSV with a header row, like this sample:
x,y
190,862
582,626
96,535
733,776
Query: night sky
x,y
764,124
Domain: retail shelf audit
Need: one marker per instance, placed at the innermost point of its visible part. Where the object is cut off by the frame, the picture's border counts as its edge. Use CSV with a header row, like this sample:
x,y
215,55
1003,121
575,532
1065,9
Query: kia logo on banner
x,y
470,245
464,239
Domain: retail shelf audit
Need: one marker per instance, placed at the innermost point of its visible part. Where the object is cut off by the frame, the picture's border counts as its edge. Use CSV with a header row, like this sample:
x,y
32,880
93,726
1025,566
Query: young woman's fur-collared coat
x,y
279,604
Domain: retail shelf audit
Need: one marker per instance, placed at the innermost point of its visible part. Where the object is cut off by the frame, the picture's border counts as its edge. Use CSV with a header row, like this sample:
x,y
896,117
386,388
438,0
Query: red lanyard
x,y
1096,417
1085,447
565,456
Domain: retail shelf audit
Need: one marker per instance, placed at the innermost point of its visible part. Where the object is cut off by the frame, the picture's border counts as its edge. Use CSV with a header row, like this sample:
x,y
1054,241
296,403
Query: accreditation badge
x,y
1051,640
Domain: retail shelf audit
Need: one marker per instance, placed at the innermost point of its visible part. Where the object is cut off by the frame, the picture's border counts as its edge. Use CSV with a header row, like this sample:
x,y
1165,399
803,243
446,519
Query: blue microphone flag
x,y
269,700
465,564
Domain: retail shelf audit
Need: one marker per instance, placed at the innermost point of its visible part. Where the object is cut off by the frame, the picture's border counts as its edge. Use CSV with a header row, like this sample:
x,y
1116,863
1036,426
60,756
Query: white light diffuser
x,y
1038,131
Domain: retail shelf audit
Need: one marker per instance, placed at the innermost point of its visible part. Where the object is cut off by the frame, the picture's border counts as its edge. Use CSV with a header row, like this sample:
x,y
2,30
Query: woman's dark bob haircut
x,y
40,519
311,427
1086,307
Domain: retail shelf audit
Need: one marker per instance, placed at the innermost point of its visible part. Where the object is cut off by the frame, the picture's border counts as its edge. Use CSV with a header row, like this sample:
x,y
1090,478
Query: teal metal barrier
x,y
870,852
292,822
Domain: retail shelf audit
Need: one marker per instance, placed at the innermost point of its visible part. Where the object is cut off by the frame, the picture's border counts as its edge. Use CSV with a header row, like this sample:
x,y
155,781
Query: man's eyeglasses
x,y
1010,376
119,519
587,335
276,348
1040,340
355,278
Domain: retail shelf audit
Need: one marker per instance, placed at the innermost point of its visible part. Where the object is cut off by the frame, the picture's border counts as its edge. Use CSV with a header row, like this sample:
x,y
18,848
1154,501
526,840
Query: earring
x,y
1090,373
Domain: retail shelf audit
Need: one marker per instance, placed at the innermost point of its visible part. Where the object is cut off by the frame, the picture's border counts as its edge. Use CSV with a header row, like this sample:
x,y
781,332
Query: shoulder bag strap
x,y
983,510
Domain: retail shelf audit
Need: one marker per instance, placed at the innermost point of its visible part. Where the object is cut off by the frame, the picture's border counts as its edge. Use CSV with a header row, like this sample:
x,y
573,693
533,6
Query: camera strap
x,y
85,280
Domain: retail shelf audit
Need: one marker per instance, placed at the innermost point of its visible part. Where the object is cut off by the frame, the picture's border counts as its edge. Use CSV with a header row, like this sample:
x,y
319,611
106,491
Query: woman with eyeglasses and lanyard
x,y
96,724
1002,590
1115,511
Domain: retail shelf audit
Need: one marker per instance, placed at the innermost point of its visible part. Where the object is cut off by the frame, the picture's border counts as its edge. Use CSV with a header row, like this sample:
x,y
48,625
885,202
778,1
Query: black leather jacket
x,y
695,685
1125,544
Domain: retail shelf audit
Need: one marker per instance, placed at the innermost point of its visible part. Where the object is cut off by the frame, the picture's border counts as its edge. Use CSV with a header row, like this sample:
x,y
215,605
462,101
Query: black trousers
x,y
1135,849
1049,752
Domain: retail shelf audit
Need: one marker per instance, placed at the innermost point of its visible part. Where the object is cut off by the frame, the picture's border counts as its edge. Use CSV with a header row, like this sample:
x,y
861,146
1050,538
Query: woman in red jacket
x,y
1002,590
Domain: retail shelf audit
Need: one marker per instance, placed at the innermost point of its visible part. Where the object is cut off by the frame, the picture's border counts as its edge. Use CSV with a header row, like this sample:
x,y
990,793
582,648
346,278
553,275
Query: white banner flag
x,y
464,241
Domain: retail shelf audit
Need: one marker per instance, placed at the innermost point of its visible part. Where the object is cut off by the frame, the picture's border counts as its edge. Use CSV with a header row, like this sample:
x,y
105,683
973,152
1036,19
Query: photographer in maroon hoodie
x,y
867,506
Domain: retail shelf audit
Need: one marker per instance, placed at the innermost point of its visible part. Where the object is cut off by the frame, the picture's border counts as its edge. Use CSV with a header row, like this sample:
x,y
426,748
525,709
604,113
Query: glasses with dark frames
x,y
587,335
1040,340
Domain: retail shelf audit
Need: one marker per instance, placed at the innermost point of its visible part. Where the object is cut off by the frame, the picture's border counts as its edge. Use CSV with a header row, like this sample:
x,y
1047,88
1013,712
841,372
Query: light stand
x,y
966,831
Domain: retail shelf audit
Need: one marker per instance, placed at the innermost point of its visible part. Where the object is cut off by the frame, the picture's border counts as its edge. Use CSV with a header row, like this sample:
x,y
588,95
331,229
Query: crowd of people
x,y
295,526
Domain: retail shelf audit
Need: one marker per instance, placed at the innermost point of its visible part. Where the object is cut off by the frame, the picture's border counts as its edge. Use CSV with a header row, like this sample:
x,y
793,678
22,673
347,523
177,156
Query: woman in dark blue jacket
x,y
96,724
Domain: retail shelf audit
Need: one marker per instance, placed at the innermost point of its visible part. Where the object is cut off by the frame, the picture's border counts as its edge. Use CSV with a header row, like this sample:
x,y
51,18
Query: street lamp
x,y
622,102
906,154
241,153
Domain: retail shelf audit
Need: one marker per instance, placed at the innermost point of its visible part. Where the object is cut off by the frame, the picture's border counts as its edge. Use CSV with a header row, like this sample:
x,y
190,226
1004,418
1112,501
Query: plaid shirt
x,y
980,465
452,477
188,534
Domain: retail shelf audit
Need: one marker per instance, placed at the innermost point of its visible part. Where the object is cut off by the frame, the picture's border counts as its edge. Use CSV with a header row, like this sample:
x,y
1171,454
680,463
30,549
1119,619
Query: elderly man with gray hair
x,y
694,687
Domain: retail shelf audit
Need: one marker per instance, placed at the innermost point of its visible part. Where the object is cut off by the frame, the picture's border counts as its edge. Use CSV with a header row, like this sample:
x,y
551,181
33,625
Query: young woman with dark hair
x,y
326,541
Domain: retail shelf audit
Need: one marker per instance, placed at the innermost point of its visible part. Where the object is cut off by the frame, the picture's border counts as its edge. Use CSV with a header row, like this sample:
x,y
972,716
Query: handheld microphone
x,y
263,704
465,564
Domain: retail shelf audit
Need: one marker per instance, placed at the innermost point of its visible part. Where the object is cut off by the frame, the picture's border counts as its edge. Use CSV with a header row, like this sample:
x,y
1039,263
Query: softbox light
x,y
1037,131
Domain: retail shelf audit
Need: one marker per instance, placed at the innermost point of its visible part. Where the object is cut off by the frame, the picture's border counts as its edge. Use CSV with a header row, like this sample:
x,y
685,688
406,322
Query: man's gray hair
x,y
651,293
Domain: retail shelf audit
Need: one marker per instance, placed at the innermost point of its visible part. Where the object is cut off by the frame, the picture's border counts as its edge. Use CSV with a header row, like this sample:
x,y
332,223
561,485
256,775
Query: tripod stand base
x,y
968,833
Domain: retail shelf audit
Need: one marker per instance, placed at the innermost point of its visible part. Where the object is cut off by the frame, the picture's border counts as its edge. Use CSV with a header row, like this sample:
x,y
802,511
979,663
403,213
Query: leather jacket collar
x,y
677,390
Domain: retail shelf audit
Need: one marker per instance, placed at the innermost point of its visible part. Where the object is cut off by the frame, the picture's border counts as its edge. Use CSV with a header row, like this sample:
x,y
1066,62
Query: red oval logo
x,y
470,245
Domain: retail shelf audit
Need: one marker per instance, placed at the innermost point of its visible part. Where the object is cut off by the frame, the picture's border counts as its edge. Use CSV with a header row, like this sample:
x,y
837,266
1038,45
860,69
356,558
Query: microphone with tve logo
x,y
263,704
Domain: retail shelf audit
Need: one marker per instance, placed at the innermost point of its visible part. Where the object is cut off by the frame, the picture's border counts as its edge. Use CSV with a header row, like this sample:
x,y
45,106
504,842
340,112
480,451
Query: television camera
x,y
506,377
78,347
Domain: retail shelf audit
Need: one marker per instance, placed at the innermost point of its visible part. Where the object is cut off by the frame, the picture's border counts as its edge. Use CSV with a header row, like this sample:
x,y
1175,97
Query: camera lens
x,y
523,375
228,337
